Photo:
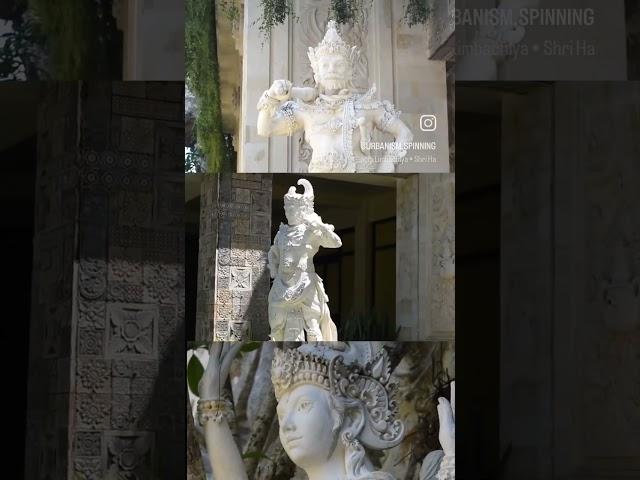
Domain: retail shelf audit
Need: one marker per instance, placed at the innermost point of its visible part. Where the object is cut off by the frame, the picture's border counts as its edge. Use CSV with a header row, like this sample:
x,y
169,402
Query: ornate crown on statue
x,y
332,370
333,44
300,199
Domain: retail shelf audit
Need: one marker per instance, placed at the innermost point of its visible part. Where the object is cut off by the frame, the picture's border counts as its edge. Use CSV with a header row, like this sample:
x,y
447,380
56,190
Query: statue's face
x,y
294,214
333,71
306,425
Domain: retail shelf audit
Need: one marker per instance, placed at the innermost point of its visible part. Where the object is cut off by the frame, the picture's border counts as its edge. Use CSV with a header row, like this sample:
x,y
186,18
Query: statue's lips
x,y
289,441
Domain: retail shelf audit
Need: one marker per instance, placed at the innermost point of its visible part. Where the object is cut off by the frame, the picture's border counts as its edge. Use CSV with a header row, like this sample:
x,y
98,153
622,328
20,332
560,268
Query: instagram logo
x,y
428,123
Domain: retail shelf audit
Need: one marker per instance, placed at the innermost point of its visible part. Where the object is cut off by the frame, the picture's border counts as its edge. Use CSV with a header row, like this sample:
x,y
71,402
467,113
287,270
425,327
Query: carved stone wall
x,y
235,237
441,29
570,267
107,339
393,57
425,250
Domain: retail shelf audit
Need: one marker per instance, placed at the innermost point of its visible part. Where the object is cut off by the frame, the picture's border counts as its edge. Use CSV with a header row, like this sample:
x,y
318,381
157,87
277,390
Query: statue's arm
x,y
387,120
447,435
226,461
213,410
273,258
324,232
277,115
329,238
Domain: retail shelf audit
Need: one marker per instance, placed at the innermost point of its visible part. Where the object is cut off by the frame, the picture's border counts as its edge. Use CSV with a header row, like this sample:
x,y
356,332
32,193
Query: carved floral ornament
x,y
132,329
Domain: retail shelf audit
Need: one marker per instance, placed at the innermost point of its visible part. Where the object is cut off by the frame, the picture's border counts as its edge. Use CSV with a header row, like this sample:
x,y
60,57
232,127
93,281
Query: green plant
x,y
19,54
231,10
193,159
371,325
416,12
274,13
349,11
203,79
81,37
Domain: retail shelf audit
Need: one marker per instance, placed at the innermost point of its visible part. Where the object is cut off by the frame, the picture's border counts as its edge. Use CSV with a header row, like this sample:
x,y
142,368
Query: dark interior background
x,y
18,150
478,125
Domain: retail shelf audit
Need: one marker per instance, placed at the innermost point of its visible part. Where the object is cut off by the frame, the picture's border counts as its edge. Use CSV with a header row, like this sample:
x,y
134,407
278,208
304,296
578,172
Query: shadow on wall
x,y
107,336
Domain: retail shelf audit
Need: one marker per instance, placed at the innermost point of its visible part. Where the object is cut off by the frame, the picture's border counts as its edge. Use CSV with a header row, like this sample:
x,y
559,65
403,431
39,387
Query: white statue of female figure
x,y
337,119
335,402
297,300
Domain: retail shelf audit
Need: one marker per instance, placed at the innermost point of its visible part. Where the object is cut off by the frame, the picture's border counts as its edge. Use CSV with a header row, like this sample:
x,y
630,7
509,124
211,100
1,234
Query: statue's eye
x,y
304,406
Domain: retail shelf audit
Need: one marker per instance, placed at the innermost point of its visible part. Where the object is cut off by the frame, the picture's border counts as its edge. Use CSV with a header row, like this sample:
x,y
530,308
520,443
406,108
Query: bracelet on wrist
x,y
216,410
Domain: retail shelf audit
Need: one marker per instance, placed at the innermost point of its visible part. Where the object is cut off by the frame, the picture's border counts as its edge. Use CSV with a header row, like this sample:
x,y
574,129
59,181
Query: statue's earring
x,y
349,441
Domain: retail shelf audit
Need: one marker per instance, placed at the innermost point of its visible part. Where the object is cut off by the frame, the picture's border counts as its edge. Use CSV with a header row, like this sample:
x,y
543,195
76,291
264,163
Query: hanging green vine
x,y
349,11
81,36
416,12
274,13
203,79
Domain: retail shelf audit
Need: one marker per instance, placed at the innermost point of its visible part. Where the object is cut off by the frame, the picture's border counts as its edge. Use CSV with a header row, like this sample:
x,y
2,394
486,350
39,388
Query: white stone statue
x,y
297,300
338,119
335,403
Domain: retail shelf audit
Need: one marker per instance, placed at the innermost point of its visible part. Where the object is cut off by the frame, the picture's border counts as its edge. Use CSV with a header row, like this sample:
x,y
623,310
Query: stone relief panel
x,y
240,279
132,330
129,454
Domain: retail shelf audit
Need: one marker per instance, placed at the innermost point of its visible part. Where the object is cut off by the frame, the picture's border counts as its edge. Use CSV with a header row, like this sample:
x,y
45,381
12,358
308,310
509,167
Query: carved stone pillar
x,y
106,373
235,237
425,250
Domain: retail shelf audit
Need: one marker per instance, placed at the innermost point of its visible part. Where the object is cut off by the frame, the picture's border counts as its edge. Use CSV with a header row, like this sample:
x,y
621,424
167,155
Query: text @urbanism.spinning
x,y
494,17
405,146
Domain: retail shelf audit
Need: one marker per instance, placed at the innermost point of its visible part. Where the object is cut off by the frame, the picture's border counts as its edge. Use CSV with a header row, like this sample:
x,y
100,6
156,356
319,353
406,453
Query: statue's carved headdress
x,y
300,199
332,43
367,381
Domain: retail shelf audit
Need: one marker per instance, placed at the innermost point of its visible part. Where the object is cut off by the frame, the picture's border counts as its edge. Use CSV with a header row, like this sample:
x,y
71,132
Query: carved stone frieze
x,y
94,375
91,341
240,278
92,278
88,468
132,329
93,411
129,455
88,444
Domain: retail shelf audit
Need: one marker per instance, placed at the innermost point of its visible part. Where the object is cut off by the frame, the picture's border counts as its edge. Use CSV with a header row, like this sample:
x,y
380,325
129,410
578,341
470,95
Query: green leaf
x,y
195,345
250,347
195,370
256,455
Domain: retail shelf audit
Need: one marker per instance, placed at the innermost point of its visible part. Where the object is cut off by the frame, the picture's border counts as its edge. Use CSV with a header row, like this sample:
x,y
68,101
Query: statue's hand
x,y
447,434
366,127
280,90
221,354
321,228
